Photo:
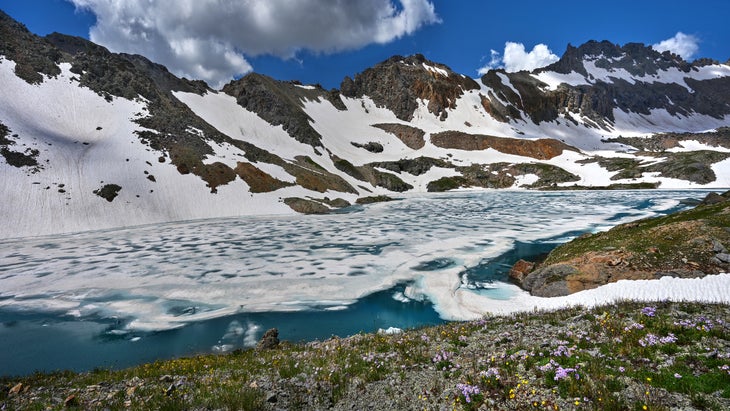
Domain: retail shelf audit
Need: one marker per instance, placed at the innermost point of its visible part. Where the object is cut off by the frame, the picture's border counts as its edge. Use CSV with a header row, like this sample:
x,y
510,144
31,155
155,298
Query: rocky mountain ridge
x,y
84,121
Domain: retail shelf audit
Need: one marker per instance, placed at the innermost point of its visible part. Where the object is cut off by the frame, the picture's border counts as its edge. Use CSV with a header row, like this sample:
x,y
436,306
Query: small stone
x,y
271,398
16,389
724,257
253,384
615,262
71,401
166,378
170,390
718,248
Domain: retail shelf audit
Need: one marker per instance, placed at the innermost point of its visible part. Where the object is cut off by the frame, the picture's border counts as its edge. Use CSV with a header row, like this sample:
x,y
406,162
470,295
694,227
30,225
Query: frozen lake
x,y
114,298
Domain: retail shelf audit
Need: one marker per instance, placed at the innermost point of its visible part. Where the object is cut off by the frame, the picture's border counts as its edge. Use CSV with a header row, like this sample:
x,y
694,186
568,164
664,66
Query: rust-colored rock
x,y
542,149
258,181
410,136
520,270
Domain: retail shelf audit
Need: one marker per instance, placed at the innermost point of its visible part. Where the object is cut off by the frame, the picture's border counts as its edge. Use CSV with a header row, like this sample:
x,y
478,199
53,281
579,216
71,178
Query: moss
x,y
657,243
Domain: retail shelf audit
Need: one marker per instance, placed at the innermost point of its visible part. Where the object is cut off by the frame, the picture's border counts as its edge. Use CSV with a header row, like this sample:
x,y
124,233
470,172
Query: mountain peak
x,y
636,58
399,82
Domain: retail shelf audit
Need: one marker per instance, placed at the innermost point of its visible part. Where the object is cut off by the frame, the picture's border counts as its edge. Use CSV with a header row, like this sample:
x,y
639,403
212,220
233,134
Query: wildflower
x,y
649,311
467,391
621,369
634,326
677,375
491,373
562,373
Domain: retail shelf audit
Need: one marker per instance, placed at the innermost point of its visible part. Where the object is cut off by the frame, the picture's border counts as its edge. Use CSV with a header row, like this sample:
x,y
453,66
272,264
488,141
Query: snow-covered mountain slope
x,y
92,139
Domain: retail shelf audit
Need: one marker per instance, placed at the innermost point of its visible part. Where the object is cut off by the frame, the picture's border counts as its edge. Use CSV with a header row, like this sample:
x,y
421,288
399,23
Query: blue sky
x,y
321,41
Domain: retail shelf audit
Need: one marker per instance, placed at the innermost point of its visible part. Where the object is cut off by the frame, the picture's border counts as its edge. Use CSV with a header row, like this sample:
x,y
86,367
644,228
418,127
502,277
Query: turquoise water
x,y
41,342
115,298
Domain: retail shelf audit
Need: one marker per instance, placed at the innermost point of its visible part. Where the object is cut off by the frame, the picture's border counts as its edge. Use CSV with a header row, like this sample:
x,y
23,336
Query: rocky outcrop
x,y
269,340
688,244
258,181
415,166
665,141
276,102
304,206
108,192
370,174
26,158
596,102
399,82
542,149
33,56
694,166
503,175
410,136
372,146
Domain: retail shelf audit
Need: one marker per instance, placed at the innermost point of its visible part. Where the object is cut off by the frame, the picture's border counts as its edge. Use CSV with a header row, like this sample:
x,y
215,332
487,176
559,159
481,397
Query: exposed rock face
x,y
596,102
694,166
399,82
666,141
370,174
257,180
410,136
417,166
689,244
542,149
26,158
33,56
503,175
281,103
108,192
372,146
305,206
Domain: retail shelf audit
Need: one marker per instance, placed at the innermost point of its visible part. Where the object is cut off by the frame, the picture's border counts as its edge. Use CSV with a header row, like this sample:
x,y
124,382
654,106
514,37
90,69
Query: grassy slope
x,y
615,357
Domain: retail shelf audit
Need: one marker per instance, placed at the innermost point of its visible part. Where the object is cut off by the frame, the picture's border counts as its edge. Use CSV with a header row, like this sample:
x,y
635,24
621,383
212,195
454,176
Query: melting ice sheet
x,y
162,277
120,297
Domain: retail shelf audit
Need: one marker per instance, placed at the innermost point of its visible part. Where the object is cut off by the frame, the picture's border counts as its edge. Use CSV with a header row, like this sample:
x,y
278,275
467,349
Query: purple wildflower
x,y
649,311
467,391
562,373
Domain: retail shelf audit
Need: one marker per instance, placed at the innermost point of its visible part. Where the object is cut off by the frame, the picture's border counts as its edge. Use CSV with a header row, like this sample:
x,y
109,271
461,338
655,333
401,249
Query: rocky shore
x,y
688,244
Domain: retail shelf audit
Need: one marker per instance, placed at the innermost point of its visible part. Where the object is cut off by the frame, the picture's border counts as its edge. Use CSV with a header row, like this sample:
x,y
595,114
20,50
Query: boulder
x,y
269,340
520,270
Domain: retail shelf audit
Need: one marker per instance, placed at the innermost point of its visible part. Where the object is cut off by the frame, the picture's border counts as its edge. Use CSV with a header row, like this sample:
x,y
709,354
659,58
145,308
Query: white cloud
x,y
210,39
516,58
684,45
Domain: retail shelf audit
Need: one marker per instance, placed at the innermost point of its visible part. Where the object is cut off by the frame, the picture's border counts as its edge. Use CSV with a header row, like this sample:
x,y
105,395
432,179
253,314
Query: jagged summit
x,y
636,58
398,83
